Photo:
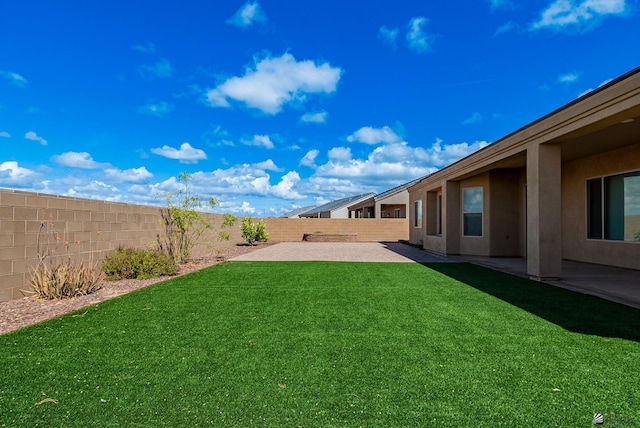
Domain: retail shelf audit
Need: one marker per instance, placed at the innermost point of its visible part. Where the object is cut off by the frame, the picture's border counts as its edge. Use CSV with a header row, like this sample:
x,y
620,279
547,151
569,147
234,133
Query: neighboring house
x,y
566,186
296,213
390,204
336,209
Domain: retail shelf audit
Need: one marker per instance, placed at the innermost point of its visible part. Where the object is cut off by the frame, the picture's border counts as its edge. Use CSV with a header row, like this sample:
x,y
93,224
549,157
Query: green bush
x,y
253,232
185,226
130,263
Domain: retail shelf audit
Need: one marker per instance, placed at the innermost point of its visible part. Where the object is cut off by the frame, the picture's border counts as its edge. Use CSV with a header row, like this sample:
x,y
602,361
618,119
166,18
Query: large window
x,y
472,211
417,211
613,207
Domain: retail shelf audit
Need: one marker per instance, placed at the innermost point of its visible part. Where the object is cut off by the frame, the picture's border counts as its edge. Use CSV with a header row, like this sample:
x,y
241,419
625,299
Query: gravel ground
x,y
19,313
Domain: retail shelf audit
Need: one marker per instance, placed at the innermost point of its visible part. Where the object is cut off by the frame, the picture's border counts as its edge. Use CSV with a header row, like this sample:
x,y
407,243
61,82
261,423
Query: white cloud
x,y
474,118
370,135
285,188
339,154
592,89
318,117
388,35
161,69
267,165
81,160
12,173
309,159
585,14
443,155
259,141
14,78
243,208
247,15
95,189
217,136
274,82
505,28
568,78
4,134
147,48
393,164
418,40
156,109
132,175
244,180
35,137
185,154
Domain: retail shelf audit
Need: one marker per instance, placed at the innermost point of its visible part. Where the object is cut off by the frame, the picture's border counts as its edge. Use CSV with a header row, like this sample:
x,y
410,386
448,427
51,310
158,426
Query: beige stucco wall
x,y
503,215
396,201
505,209
575,245
417,234
477,245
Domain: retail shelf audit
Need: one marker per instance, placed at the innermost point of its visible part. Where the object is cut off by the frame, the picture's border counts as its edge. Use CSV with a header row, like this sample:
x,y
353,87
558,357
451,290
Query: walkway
x,y
392,252
615,284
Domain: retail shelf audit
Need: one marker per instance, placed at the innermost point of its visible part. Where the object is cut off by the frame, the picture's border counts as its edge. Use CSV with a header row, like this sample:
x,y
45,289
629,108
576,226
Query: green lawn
x,y
320,344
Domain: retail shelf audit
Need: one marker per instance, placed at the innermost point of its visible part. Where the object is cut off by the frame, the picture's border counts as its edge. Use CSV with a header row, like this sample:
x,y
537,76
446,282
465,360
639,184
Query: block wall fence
x,y
88,230
367,229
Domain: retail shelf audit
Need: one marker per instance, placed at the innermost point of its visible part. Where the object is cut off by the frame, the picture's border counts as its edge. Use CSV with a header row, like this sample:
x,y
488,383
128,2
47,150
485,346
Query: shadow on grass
x,y
576,312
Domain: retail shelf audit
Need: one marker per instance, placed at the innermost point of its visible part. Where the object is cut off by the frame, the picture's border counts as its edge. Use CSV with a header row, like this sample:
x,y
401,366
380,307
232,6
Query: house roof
x,y
529,128
338,203
397,189
369,202
297,212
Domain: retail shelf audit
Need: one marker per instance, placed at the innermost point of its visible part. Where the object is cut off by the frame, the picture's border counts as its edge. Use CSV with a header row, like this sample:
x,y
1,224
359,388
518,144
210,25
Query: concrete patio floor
x,y
611,283
615,284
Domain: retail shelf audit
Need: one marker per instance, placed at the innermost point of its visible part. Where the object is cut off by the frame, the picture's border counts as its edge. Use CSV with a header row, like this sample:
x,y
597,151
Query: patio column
x,y
451,217
544,222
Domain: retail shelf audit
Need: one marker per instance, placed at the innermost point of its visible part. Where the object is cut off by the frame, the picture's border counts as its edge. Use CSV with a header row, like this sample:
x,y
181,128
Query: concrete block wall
x,y
85,230
367,229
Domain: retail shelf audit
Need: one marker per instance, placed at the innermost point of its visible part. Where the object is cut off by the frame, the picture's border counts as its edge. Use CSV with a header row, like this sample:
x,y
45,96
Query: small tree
x,y
253,232
185,226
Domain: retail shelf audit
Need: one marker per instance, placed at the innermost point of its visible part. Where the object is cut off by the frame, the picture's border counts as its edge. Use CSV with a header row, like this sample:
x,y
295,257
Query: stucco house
x,y
566,186
392,203
336,209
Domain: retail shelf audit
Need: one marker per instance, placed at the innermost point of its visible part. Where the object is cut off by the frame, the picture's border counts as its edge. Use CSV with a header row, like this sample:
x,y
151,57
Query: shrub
x,y
253,232
129,263
66,279
184,225
56,276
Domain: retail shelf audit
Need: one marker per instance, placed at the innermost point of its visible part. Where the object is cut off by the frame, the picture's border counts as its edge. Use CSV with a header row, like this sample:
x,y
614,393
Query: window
x,y
396,213
417,211
472,211
613,207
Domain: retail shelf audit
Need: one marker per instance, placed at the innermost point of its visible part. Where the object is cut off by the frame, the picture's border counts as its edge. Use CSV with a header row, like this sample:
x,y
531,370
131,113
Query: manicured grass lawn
x,y
329,344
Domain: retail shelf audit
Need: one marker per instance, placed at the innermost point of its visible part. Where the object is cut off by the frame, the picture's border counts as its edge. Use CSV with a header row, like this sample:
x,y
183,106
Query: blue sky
x,y
273,105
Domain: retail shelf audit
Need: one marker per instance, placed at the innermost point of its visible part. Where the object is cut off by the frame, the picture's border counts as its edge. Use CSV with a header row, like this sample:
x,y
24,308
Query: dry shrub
x,y
56,276
66,279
